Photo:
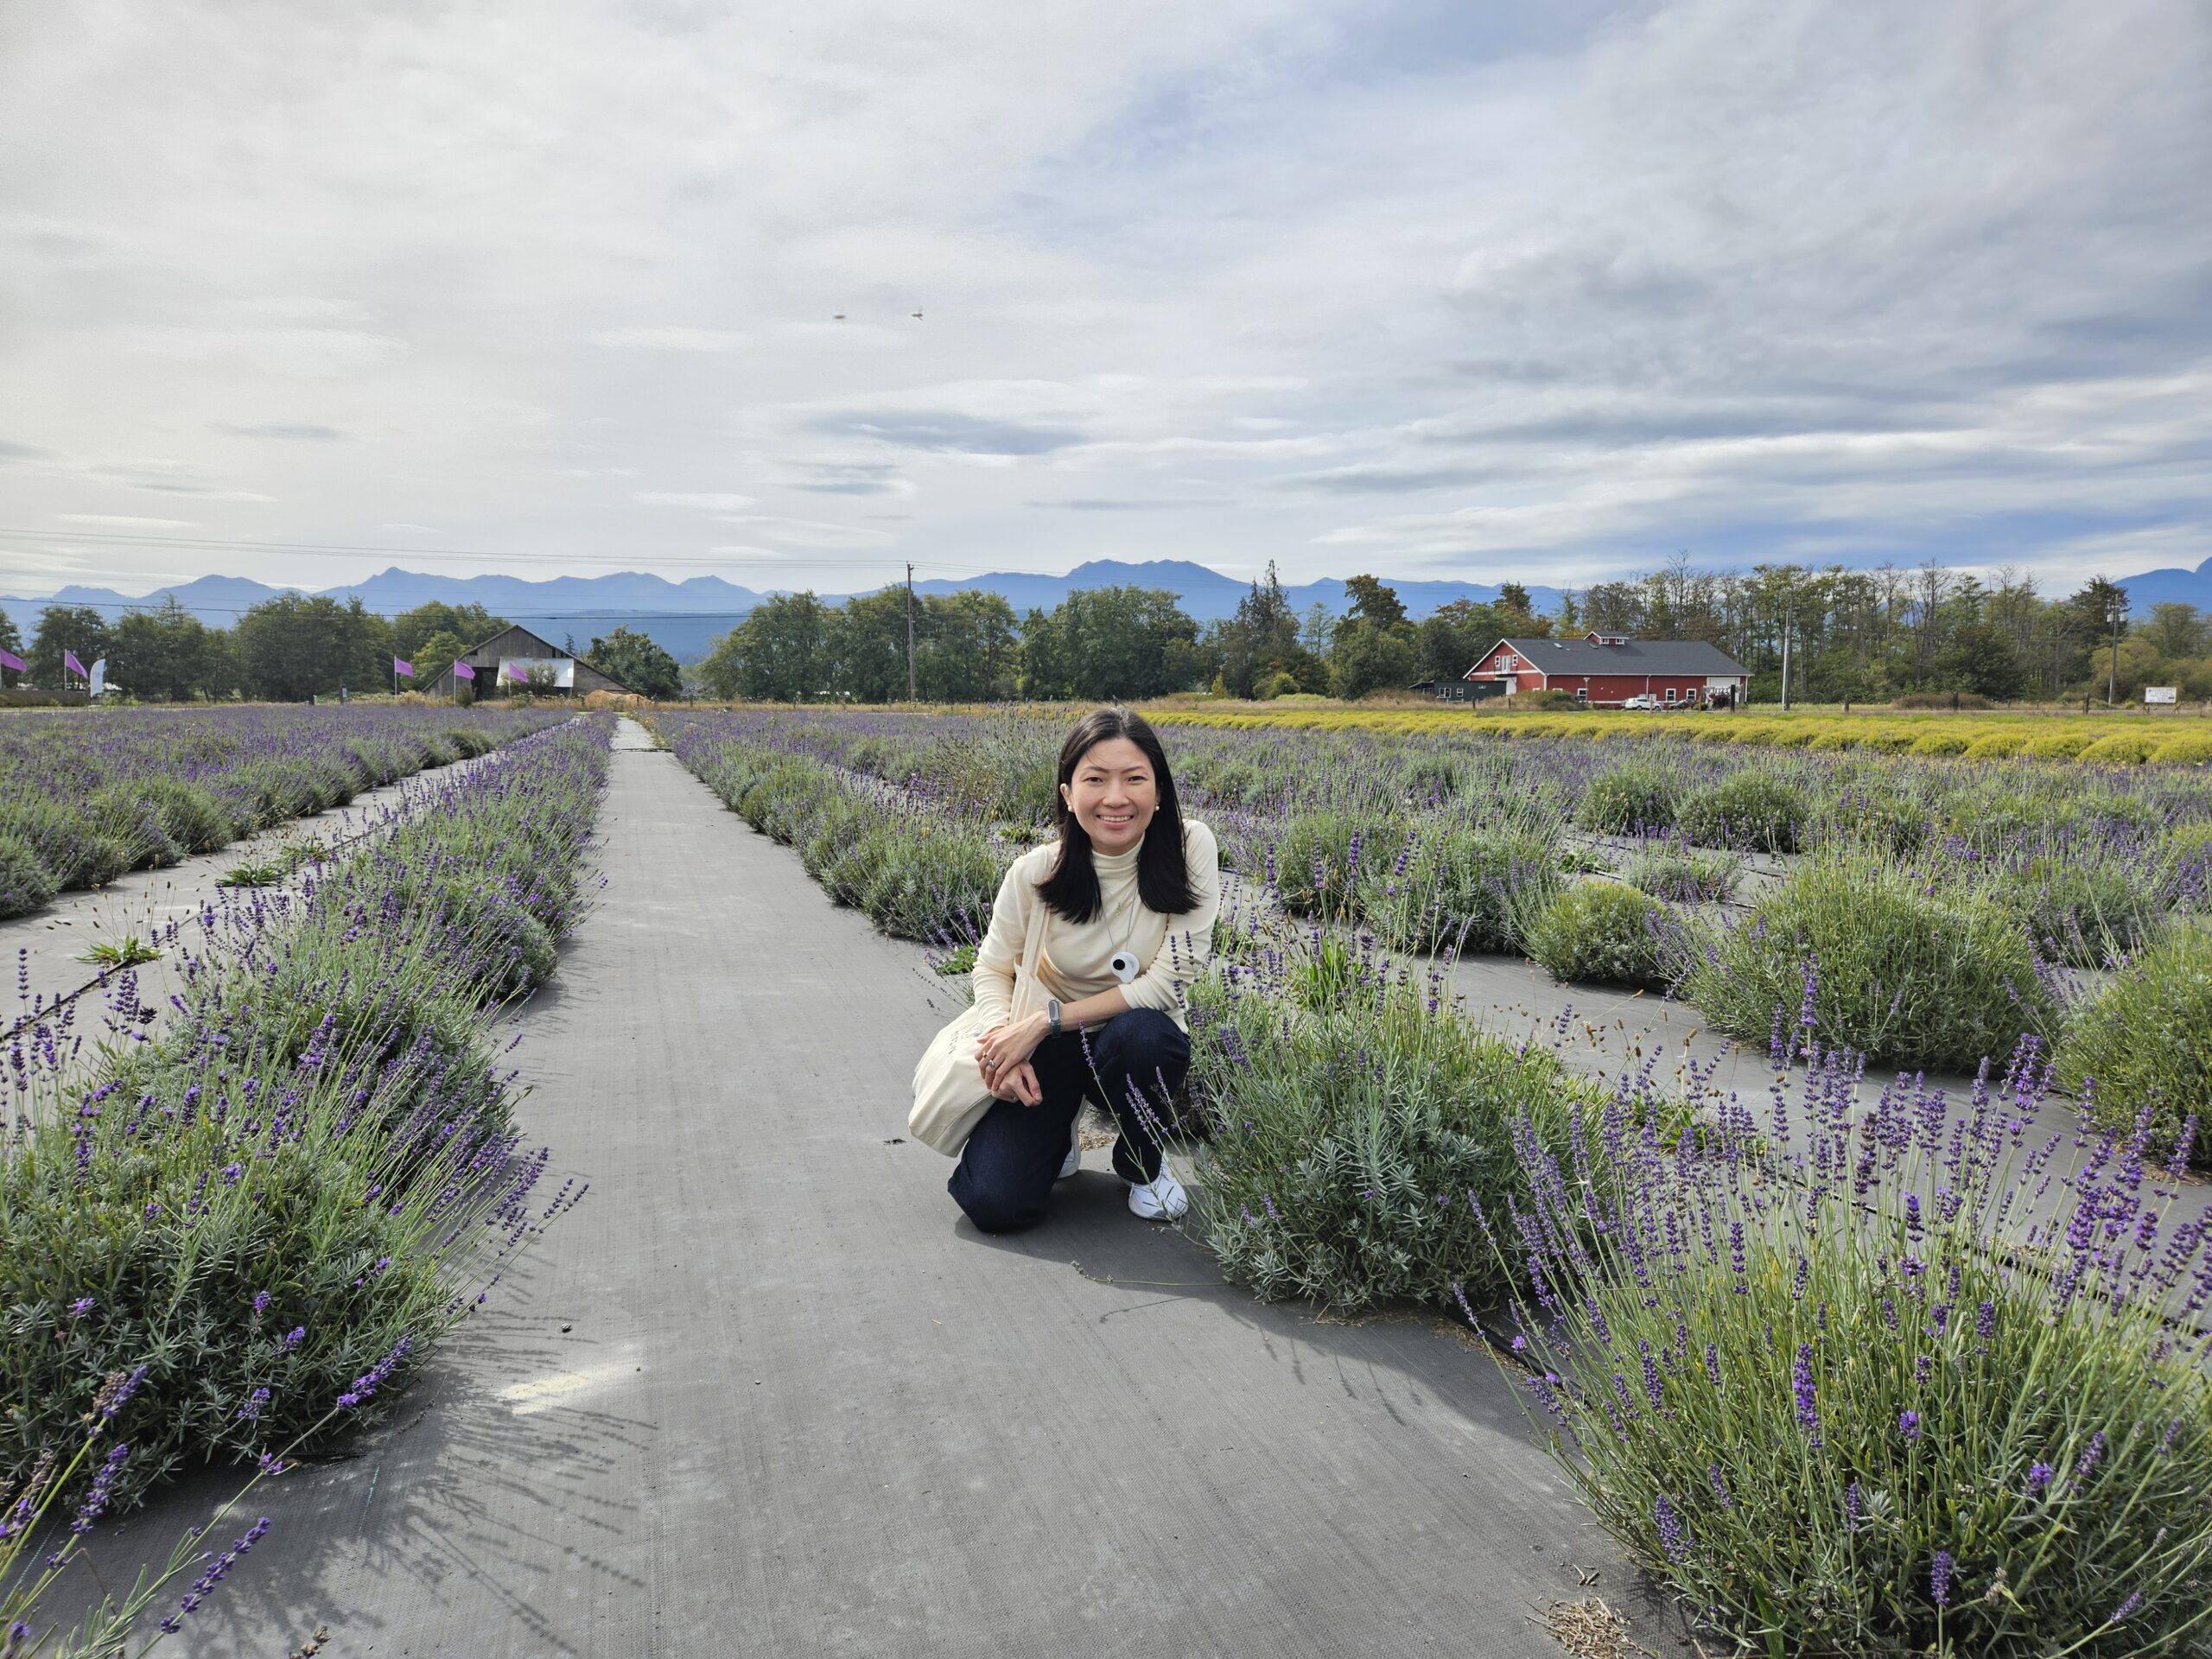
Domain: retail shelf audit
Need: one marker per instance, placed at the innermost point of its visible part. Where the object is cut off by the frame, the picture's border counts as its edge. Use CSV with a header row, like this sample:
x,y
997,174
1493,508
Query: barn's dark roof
x,y
1633,656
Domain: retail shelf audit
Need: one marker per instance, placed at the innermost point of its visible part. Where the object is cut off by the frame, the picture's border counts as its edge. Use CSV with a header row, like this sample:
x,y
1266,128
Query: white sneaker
x,y
1072,1164
1161,1198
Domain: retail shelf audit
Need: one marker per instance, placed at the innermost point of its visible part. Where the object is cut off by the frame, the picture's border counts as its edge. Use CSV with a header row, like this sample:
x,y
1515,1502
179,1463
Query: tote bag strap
x,y
1028,995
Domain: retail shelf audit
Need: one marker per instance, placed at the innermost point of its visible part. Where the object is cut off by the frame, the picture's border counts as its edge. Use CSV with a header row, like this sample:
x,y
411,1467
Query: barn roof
x,y
1629,657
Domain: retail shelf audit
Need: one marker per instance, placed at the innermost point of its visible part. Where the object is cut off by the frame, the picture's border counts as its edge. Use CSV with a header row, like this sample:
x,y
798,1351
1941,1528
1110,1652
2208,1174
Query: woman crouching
x,y
1117,916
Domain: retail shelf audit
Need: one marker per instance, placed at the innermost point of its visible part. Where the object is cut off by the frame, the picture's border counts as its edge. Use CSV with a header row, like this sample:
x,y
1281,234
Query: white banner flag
x,y
99,676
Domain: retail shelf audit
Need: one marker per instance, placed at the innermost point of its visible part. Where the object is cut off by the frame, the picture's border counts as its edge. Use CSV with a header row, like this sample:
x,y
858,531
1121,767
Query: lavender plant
x,y
1873,1394
1600,932
1351,1108
311,1167
2142,1046
1877,962
92,793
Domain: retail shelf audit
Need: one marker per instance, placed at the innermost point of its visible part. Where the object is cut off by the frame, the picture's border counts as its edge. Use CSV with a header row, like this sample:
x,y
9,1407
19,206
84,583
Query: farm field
x,y
2034,921
1814,1286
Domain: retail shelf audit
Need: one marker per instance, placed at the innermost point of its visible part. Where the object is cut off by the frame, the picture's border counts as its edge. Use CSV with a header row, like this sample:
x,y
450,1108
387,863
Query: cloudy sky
x,y
1541,291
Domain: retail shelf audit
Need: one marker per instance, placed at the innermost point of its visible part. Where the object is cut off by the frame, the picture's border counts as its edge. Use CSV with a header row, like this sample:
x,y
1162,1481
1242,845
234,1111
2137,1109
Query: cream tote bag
x,y
950,1096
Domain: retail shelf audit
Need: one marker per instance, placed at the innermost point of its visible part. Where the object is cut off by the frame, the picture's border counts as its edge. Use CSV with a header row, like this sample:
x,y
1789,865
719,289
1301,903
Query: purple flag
x,y
8,659
401,665
515,673
462,670
69,660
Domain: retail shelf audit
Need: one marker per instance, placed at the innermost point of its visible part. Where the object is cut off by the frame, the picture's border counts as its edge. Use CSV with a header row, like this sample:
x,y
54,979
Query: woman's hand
x,y
1017,1083
1003,1047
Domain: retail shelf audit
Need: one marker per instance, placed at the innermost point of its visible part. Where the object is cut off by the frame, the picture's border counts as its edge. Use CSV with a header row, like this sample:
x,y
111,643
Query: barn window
x,y
1670,696
1582,694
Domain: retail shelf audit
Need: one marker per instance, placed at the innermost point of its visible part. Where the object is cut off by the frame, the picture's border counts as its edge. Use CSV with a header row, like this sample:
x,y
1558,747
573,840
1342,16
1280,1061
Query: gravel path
x,y
765,1391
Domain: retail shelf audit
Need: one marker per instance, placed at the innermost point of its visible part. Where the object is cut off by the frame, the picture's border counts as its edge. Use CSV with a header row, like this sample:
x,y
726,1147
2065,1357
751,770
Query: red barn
x,y
1608,668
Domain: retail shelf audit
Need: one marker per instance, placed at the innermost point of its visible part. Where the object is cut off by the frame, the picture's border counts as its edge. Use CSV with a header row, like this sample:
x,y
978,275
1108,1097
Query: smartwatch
x,y
1053,1013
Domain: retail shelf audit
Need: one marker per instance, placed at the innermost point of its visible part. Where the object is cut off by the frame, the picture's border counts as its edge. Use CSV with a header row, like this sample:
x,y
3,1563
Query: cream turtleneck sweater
x,y
1075,955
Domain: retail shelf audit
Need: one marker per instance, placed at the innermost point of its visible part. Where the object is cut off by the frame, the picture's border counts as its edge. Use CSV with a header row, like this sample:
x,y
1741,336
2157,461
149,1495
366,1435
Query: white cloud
x,y
123,521
1437,290
708,502
673,340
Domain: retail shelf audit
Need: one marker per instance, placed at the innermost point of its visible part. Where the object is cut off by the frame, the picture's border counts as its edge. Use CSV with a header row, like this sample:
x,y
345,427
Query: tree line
x,y
291,647
1851,636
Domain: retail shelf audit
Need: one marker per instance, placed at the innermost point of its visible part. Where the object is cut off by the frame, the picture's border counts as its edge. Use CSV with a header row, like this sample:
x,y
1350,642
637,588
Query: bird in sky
x,y
840,317
916,316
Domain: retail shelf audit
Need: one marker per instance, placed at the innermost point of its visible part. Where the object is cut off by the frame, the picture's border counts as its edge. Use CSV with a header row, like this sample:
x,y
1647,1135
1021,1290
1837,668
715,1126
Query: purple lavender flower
x,y
2119,1614
1908,1425
1851,1507
260,1303
103,1488
2039,1475
1674,1541
1939,1578
2093,1457
1808,1411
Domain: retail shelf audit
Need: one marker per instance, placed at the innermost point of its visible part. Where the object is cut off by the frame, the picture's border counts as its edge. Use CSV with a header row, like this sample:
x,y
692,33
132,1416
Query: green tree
x,y
1453,638
292,645
11,640
1374,600
1107,643
638,663
867,640
2174,631
965,649
1261,642
62,628
168,654
79,628
471,623
1375,647
1980,657
779,653
433,656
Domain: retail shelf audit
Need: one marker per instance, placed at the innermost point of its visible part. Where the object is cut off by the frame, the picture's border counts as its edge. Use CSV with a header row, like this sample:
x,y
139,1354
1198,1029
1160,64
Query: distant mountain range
x,y
687,617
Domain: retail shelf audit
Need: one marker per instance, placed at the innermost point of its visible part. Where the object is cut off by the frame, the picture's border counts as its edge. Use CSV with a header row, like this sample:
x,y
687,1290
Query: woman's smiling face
x,y
1113,794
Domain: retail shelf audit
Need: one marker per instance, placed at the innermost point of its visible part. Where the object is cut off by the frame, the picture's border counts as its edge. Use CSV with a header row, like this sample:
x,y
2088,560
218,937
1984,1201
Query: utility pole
x,y
2118,604
910,630
1788,614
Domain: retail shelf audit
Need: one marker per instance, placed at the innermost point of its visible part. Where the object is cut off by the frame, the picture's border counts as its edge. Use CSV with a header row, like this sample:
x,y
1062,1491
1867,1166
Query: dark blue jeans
x,y
1007,1168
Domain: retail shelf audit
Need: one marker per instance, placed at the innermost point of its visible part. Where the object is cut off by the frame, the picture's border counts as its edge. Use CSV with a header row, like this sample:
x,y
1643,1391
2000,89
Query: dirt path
x,y
767,1392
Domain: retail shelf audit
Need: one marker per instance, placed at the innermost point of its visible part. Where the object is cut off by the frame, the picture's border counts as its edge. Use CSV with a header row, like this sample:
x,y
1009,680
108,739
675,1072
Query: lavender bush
x,y
1877,961
311,1167
1352,1110
1872,1394
1600,932
90,793
2142,1047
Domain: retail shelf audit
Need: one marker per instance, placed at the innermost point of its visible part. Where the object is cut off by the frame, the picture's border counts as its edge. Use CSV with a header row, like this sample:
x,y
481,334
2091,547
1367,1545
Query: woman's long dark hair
x,y
1070,888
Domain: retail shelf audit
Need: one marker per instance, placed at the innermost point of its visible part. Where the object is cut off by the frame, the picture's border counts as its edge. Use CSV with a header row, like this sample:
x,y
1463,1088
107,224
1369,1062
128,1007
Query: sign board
x,y
562,669
2159,694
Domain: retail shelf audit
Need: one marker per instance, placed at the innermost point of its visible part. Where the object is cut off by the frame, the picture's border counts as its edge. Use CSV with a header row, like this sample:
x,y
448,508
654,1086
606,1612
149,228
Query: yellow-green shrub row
x,y
2155,741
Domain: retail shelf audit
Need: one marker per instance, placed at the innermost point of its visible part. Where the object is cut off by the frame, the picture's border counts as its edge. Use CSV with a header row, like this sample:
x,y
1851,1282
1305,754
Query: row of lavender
x,y
86,795
233,1234
1906,1384
1932,911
